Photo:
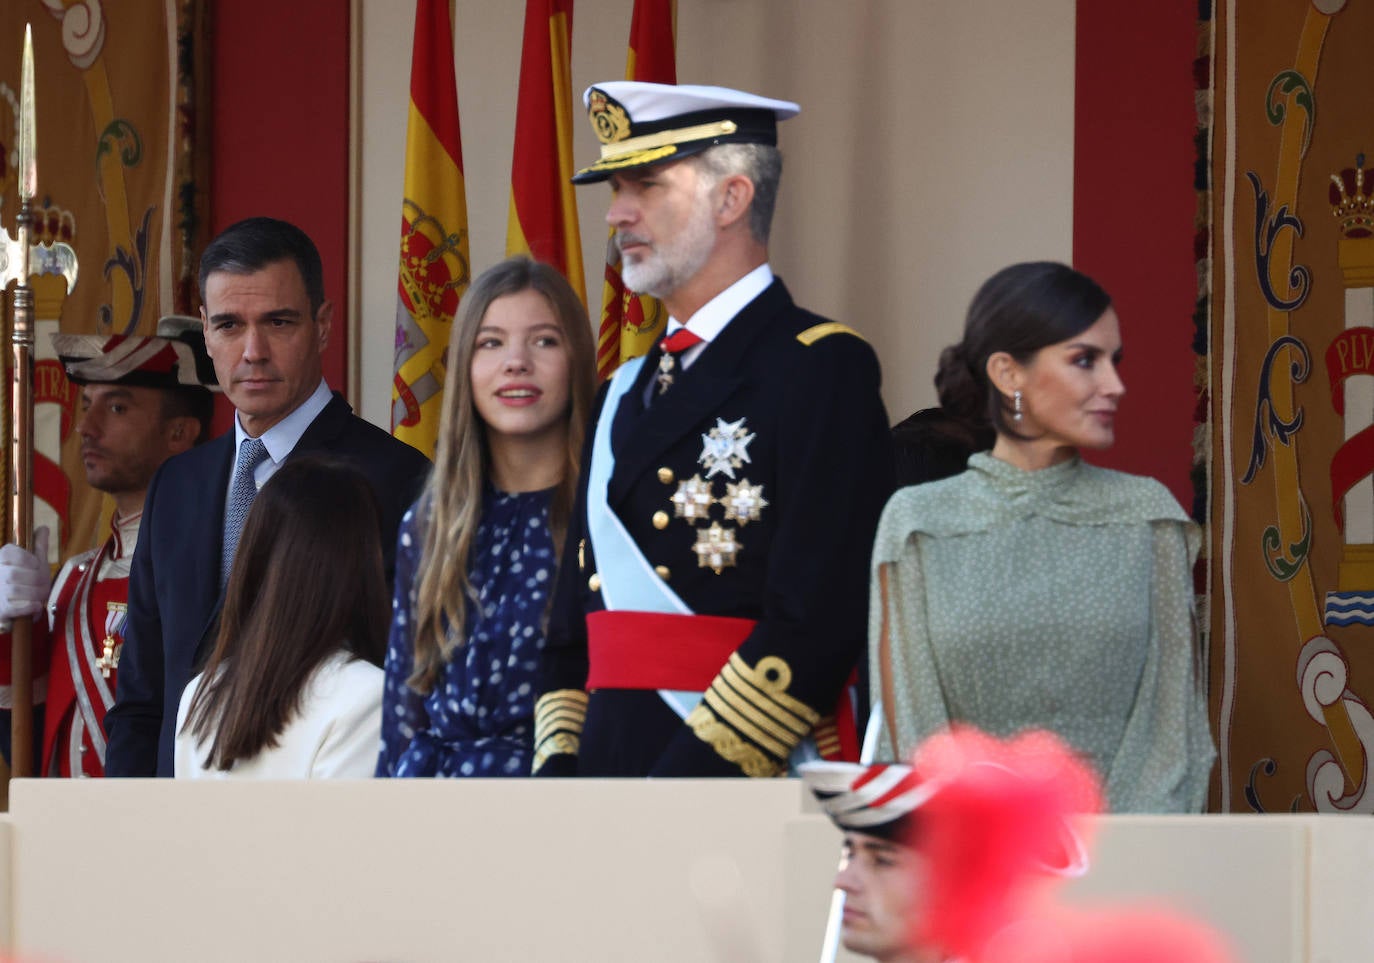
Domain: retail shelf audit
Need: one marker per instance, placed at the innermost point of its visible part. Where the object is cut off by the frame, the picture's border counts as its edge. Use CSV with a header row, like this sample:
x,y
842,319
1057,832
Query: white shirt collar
x,y
282,437
711,319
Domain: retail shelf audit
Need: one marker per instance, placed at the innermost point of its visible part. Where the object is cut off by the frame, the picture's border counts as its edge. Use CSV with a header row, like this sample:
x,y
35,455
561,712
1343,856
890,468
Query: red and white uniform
x,y
85,607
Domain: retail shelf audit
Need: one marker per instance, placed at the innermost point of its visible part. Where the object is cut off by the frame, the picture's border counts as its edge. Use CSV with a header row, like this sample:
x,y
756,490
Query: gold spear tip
x,y
28,156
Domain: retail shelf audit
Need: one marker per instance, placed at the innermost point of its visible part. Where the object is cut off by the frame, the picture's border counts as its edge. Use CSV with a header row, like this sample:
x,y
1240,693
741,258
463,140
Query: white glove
x,y
25,578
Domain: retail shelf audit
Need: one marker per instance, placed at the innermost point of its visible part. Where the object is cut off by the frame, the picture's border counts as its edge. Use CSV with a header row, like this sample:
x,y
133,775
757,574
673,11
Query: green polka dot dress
x,y
1058,599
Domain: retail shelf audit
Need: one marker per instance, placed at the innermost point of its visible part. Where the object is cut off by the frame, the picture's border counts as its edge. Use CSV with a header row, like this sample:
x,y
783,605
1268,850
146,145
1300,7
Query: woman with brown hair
x,y
292,689
1035,590
478,552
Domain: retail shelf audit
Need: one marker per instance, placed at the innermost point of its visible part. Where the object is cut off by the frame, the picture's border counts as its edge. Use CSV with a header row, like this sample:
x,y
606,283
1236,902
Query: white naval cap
x,y
641,123
875,799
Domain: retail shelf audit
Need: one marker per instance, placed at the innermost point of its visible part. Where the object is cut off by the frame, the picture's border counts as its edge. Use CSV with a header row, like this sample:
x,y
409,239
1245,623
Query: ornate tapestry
x,y
121,178
1292,405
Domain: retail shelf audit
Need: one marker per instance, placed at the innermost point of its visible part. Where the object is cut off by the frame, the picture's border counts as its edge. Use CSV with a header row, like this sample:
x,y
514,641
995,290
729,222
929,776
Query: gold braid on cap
x,y
665,138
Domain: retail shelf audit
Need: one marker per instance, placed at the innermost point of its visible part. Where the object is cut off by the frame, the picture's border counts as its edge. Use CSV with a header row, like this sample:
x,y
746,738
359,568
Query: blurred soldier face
x,y
881,883
264,340
125,436
664,223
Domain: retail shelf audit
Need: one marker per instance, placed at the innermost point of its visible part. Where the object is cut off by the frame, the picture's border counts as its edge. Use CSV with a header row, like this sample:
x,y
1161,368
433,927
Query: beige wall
x,y
672,871
935,145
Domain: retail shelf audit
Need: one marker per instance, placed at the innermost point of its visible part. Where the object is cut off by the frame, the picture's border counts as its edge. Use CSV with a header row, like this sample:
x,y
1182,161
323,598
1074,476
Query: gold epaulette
x,y
748,718
558,720
817,331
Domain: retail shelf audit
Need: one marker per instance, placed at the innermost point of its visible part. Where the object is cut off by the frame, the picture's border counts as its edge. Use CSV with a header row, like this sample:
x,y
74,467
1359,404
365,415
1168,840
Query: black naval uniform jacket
x,y
808,391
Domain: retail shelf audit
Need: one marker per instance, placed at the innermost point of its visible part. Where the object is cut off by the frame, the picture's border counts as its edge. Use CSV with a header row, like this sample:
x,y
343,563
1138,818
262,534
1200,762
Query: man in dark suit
x,y
712,604
266,327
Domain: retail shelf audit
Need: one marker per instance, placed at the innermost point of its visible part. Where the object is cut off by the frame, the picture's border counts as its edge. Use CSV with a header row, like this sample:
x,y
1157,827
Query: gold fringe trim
x,y
729,746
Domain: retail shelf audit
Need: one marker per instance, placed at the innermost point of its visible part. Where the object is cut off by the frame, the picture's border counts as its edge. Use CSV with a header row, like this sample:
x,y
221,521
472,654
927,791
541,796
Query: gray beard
x,y
674,262
650,276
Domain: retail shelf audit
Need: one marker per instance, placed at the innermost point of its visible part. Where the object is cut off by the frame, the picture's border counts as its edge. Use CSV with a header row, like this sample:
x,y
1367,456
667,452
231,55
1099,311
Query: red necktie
x,y
679,341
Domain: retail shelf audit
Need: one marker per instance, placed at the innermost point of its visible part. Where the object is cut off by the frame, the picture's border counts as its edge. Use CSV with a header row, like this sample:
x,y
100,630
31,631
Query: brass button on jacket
x,y
660,520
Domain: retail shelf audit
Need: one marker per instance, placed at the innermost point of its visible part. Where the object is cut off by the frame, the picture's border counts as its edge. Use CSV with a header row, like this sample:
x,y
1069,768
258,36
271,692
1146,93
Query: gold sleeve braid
x,y
558,719
749,719
827,736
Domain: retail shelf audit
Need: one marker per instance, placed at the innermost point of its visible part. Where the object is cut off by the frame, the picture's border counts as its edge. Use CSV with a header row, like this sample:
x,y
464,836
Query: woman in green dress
x,y
1035,590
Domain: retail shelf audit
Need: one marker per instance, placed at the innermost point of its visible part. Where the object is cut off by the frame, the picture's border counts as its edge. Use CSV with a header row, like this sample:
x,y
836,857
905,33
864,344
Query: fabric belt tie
x,y
658,650
685,653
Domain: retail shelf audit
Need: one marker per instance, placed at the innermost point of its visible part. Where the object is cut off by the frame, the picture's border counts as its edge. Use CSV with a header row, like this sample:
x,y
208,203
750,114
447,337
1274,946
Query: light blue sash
x,y
628,581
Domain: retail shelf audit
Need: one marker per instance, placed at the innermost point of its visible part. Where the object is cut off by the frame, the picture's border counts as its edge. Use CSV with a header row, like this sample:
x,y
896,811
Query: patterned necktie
x,y
673,345
252,453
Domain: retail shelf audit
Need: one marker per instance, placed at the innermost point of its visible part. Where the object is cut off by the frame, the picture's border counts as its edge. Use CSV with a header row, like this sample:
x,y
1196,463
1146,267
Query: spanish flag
x,y
434,270
543,211
630,323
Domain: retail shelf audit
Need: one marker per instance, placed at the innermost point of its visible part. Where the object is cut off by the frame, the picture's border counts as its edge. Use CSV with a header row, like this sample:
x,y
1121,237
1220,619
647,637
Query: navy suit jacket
x,y
174,587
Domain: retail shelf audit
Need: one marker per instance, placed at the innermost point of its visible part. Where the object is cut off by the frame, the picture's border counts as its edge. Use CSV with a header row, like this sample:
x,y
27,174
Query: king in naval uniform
x,y
143,399
712,602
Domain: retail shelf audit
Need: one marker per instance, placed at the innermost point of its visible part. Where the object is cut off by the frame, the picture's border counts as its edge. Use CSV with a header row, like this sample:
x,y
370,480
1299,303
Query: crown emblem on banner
x,y
52,224
1351,203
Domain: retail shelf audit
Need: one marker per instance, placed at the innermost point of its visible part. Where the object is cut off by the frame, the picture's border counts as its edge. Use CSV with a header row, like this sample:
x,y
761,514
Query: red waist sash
x,y
657,650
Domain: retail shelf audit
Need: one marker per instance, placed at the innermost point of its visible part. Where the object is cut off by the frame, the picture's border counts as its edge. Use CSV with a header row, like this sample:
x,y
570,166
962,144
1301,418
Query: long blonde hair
x,y
450,508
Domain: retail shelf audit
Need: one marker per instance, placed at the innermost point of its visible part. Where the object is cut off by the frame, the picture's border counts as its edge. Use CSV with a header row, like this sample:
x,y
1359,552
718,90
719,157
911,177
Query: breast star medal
x,y
693,499
725,448
716,548
743,502
115,615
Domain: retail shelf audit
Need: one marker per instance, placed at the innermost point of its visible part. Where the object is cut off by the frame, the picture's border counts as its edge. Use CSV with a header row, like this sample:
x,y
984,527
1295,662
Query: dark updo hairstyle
x,y
1019,310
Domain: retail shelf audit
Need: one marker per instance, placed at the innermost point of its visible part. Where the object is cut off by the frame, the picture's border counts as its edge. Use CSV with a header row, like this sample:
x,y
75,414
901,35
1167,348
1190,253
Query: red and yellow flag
x,y
631,323
434,269
543,210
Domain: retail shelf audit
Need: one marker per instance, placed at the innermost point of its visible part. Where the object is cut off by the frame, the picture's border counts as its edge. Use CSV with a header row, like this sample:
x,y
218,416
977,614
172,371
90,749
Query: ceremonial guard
x,y
711,604
962,855
878,884
143,399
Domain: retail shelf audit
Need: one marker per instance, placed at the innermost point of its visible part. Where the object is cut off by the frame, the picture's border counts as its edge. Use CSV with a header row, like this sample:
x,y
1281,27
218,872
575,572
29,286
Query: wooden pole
x,y
21,513
21,426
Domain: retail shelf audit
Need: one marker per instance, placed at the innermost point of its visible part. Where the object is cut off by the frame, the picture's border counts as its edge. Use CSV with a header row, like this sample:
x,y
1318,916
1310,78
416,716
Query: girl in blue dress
x,y
477,553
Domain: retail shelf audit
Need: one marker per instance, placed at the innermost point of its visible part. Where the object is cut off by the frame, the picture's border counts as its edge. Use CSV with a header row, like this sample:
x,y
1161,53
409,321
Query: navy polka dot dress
x,y
479,719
